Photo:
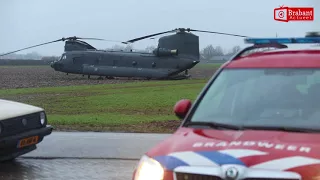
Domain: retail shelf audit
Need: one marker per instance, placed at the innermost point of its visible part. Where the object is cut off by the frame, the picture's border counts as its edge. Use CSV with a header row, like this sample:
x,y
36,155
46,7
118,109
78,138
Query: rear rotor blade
x,y
148,36
216,33
181,29
32,47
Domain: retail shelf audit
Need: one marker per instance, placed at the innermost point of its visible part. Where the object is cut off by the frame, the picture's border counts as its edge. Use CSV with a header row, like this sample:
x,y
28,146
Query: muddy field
x,y
42,76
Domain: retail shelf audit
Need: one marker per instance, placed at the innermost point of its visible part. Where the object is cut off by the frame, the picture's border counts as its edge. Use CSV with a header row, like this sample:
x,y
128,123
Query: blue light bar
x,y
299,40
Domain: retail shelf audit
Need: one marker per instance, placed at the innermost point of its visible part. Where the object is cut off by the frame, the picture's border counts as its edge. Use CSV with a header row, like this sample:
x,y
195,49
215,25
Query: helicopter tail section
x,y
186,43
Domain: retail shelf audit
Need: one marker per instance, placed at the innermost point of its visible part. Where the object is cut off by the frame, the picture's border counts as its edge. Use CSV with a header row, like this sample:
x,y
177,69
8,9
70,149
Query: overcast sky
x,y
28,22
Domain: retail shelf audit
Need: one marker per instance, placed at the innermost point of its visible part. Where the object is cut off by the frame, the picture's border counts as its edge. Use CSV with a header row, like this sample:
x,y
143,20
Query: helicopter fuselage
x,y
123,64
174,54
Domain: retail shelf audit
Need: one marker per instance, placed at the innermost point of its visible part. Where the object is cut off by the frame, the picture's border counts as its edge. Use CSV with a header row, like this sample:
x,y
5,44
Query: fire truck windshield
x,y
263,97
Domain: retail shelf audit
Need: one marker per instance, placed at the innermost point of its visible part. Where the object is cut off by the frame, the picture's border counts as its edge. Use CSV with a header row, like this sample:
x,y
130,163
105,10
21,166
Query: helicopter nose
x,y
56,66
53,65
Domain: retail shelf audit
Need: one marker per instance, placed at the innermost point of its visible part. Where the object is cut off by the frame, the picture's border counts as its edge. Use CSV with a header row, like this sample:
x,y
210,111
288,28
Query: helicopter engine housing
x,y
165,52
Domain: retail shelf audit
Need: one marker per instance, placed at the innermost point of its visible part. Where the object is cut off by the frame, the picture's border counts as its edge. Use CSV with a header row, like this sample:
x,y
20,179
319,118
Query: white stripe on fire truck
x,y
193,159
287,163
239,153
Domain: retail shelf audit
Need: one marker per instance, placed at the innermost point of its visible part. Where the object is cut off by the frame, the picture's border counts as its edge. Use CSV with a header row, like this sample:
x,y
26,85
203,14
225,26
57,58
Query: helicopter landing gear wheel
x,y
186,74
109,77
177,77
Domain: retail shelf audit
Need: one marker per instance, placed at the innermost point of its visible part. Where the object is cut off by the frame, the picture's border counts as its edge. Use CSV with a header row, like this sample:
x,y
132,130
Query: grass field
x,y
133,107
208,66
74,102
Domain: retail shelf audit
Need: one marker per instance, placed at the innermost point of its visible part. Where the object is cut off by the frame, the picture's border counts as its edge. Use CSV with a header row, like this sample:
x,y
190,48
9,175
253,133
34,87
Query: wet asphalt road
x,y
76,155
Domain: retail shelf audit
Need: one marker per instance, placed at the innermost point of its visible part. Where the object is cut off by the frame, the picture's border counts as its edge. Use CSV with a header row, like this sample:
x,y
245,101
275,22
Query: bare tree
x,y
208,52
218,51
149,49
128,47
48,59
235,49
117,47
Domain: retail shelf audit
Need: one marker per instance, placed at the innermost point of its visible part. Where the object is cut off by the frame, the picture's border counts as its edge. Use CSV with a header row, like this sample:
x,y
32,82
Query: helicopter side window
x,y
154,64
99,59
75,60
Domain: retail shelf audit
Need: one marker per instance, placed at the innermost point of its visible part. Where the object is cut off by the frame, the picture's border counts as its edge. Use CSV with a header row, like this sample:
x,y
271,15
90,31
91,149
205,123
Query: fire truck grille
x,y
187,176
267,179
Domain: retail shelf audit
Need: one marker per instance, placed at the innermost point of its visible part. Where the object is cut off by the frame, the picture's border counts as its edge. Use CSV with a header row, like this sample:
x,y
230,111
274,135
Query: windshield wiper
x,y
214,125
235,127
286,129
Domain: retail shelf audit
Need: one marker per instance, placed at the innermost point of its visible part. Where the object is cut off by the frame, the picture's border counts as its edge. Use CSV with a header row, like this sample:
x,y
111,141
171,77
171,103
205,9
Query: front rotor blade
x,y
97,39
217,33
31,47
148,36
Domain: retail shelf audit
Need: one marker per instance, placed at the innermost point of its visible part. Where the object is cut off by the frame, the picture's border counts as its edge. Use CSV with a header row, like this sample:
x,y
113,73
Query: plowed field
x,y
41,76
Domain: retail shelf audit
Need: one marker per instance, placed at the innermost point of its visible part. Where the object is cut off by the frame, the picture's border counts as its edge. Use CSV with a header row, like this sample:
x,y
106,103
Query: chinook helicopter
x,y
174,55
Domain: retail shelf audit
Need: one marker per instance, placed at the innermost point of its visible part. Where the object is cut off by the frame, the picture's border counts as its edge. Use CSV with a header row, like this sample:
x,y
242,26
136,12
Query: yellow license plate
x,y
28,141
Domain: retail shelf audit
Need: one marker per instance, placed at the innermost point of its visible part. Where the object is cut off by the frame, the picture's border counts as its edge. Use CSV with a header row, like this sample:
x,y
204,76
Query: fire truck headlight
x,y
149,168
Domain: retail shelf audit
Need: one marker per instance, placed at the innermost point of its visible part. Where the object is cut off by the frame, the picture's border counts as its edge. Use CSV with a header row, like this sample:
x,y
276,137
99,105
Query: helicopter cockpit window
x,y
62,57
58,59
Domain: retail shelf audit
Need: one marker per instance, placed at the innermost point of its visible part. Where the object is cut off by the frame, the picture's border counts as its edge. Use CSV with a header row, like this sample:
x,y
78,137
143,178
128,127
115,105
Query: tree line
x,y
209,52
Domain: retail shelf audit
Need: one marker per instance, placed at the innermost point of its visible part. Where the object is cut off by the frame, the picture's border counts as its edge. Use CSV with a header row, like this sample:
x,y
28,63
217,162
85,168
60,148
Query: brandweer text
x,y
253,144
